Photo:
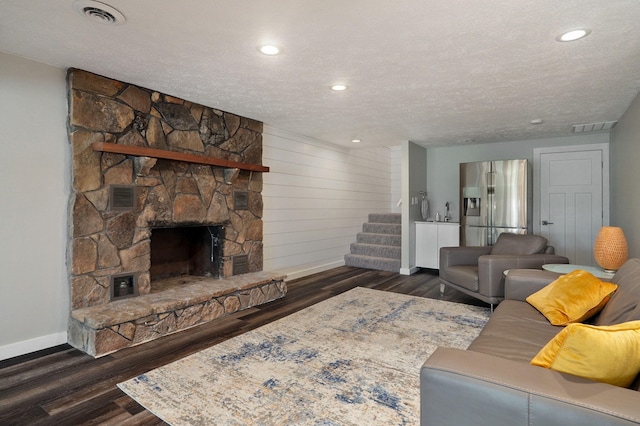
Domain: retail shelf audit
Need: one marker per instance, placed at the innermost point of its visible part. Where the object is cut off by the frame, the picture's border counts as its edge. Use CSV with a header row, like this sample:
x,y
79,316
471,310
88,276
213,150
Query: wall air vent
x,y
122,197
240,264
594,127
240,200
99,12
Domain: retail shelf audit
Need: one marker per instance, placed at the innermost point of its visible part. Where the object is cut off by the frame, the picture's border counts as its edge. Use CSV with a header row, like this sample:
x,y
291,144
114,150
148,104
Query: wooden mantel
x,y
176,156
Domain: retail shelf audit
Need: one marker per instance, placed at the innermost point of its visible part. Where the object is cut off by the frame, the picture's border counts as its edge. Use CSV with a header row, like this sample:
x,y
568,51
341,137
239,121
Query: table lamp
x,y
610,248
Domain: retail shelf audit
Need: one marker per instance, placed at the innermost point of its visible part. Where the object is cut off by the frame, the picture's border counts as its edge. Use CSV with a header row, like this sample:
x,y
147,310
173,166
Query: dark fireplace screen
x,y
186,250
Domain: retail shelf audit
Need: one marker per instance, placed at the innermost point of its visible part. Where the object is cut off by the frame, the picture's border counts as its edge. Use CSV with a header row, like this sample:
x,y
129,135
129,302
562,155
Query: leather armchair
x,y
479,271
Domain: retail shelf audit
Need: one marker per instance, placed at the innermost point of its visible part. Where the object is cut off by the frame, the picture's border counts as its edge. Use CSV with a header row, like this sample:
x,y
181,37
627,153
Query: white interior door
x,y
573,199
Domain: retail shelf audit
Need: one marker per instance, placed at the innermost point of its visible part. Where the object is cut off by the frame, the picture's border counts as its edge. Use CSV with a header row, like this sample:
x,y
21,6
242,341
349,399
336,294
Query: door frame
x,y
537,154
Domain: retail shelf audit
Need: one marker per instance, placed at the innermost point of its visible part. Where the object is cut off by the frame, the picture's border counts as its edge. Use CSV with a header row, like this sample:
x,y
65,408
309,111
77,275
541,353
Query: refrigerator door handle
x,y
491,179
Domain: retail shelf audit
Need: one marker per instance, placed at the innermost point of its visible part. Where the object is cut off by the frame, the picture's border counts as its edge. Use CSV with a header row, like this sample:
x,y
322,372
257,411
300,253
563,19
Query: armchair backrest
x,y
519,244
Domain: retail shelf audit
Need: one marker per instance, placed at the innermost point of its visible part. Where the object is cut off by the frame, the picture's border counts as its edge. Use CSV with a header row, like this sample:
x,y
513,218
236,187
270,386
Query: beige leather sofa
x,y
492,382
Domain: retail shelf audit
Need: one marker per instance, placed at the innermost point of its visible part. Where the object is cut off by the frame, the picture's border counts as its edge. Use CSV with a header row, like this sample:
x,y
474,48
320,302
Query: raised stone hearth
x,y
179,303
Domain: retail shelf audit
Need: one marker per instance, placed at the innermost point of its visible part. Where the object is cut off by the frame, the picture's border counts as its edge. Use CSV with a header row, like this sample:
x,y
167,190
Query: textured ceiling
x,y
435,72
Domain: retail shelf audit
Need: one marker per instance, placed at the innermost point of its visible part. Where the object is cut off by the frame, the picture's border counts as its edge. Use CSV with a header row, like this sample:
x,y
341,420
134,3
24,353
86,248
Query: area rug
x,y
353,359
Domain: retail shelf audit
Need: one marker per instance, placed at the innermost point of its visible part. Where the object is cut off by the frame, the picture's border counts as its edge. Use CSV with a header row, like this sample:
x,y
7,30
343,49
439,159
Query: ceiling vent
x,y
594,127
99,12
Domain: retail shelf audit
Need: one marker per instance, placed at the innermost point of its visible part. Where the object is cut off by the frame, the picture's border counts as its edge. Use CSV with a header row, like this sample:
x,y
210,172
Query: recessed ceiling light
x,y
574,35
99,12
269,49
356,140
338,87
536,121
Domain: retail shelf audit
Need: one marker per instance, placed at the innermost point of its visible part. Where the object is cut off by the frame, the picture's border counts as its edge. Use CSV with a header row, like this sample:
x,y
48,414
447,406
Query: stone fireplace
x,y
164,217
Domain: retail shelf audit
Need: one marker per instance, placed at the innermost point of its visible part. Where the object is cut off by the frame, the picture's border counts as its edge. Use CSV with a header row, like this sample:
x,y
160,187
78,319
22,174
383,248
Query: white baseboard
x,y
32,345
409,271
308,269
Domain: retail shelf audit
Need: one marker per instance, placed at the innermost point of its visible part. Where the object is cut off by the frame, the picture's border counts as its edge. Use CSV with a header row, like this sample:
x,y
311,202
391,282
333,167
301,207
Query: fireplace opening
x,y
186,250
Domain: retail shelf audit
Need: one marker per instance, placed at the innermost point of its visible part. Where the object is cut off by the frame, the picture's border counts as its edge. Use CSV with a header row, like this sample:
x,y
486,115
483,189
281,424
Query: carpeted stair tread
x,y
382,239
382,228
369,262
375,250
385,218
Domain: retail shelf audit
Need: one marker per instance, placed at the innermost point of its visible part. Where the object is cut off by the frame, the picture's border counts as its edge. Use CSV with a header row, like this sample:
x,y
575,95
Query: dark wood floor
x,y
63,386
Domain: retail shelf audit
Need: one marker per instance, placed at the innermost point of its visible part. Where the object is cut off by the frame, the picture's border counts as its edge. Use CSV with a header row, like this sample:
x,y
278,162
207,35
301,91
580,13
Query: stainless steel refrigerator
x,y
493,199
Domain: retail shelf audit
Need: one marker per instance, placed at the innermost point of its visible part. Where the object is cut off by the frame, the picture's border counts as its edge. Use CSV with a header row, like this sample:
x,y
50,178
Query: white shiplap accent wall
x,y
316,198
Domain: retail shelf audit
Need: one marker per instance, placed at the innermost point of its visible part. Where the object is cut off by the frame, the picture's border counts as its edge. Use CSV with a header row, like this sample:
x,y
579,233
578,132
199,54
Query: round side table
x,y
565,268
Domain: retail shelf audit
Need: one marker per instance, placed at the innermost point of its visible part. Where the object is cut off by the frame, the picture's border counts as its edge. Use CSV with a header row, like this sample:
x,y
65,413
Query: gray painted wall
x,y
34,189
414,180
624,154
443,163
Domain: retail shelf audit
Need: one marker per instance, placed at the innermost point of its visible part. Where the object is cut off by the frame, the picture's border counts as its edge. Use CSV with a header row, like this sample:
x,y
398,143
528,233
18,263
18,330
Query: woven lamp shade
x,y
610,248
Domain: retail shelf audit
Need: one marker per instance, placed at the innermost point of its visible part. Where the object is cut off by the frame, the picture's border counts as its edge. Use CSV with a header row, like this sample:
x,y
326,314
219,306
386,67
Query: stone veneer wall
x,y
104,242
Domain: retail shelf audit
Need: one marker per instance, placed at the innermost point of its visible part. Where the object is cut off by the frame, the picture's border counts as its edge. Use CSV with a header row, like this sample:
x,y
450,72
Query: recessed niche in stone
x,y
122,286
186,250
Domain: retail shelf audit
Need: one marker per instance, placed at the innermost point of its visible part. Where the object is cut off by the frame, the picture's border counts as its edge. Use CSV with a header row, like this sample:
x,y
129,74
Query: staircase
x,y
378,245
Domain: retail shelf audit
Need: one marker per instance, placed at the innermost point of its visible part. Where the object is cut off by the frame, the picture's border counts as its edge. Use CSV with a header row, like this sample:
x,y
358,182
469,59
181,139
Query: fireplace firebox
x,y
186,250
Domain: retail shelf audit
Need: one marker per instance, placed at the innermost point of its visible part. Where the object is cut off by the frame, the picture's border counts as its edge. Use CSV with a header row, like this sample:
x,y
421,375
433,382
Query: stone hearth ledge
x,y
183,302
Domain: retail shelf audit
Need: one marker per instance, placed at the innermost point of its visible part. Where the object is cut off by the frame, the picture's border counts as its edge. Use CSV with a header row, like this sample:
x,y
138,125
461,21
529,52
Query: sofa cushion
x,y
573,297
465,276
516,331
624,305
609,354
518,244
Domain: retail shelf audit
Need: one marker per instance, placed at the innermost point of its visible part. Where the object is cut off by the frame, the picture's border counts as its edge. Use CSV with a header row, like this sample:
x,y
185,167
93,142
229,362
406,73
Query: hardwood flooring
x,y
63,386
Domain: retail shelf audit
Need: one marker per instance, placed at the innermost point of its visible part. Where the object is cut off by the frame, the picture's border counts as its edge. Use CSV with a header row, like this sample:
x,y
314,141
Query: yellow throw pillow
x,y
609,354
573,297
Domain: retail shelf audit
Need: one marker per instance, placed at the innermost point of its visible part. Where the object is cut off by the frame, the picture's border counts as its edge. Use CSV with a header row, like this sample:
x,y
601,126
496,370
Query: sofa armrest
x,y
491,269
459,387
453,256
521,283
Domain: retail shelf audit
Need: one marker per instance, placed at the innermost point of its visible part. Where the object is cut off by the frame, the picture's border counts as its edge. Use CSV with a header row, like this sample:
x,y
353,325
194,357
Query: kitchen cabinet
x,y
430,236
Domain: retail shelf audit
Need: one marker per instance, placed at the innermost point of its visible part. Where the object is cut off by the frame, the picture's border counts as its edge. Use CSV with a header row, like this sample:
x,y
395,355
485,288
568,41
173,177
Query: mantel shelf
x,y
176,156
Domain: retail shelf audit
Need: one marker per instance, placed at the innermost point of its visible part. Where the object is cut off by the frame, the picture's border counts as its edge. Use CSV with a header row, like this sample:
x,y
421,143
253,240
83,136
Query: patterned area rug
x,y
353,359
